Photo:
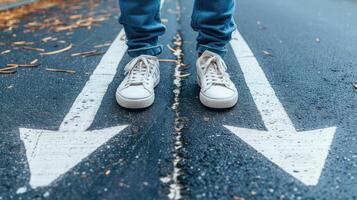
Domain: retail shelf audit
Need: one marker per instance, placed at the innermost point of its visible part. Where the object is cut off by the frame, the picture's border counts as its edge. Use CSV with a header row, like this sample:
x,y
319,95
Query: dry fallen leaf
x,y
355,85
183,75
75,16
237,198
267,53
34,49
92,54
8,72
22,43
83,53
102,45
65,28
61,70
170,48
23,65
5,52
8,68
47,39
34,62
107,172
168,60
58,51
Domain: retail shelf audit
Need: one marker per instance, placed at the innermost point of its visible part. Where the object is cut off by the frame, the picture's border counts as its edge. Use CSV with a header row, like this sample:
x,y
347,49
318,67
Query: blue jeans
x,y
212,19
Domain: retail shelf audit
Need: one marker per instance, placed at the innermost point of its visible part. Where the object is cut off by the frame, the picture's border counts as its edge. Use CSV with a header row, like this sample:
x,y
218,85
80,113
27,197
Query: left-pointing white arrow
x,y
52,153
301,154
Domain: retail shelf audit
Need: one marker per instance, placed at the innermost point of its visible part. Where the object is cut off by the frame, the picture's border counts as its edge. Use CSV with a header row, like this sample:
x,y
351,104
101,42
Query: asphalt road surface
x,y
293,134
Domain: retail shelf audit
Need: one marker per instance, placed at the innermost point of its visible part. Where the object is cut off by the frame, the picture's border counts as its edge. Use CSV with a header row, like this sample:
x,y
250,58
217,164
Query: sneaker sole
x,y
135,103
217,103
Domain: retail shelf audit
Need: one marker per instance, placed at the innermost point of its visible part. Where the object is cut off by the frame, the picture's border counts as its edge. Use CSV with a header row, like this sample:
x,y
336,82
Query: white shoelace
x,y
215,71
139,70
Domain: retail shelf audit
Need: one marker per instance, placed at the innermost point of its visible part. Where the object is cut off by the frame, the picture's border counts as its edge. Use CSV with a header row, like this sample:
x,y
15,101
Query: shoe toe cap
x,y
219,92
134,92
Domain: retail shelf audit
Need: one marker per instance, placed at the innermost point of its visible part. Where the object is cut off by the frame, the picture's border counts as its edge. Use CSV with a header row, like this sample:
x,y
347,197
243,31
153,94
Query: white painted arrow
x,y
52,153
301,154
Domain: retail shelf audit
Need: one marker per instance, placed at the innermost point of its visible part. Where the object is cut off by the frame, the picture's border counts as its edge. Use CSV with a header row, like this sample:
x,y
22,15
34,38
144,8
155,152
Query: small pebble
x,y
21,190
46,194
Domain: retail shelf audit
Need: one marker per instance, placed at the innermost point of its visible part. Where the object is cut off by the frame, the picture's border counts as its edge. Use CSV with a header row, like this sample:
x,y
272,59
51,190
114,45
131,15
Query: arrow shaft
x,y
274,115
86,105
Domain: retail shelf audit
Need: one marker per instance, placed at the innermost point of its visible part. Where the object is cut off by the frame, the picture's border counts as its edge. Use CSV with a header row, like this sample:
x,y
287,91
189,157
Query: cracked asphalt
x,y
311,65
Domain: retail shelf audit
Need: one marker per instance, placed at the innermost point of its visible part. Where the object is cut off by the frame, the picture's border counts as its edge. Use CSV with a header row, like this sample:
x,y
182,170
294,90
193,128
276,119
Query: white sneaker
x,y
137,89
217,89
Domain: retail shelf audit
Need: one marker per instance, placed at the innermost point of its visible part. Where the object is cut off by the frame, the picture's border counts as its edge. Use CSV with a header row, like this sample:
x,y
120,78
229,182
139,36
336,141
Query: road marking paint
x,y
300,154
51,154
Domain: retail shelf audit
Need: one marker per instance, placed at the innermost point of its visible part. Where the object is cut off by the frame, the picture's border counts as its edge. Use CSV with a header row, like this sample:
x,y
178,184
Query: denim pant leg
x,y
142,25
214,22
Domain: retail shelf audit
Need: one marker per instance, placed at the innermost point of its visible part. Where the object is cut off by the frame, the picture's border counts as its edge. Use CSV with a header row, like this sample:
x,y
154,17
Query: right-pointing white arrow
x,y
301,154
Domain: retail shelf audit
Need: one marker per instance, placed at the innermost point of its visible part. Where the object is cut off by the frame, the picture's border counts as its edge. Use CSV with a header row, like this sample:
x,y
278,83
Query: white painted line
x,y
85,107
51,154
301,154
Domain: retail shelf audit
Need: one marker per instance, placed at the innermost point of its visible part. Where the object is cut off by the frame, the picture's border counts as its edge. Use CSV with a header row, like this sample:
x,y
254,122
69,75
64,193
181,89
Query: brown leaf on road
x,y
22,43
83,53
65,28
34,62
107,172
47,39
5,52
23,65
267,53
58,51
76,16
168,60
354,85
93,54
88,54
61,70
34,49
237,198
102,45
8,68
8,72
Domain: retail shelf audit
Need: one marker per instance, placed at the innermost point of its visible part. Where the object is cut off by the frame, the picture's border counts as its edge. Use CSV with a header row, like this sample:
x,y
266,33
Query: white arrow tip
x,y
50,154
301,154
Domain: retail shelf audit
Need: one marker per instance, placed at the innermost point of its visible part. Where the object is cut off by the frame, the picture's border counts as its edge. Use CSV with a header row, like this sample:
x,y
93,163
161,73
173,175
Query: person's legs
x,y
213,20
142,24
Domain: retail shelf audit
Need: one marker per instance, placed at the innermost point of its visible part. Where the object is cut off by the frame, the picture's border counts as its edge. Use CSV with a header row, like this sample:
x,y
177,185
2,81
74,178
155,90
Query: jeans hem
x,y
152,51
220,51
